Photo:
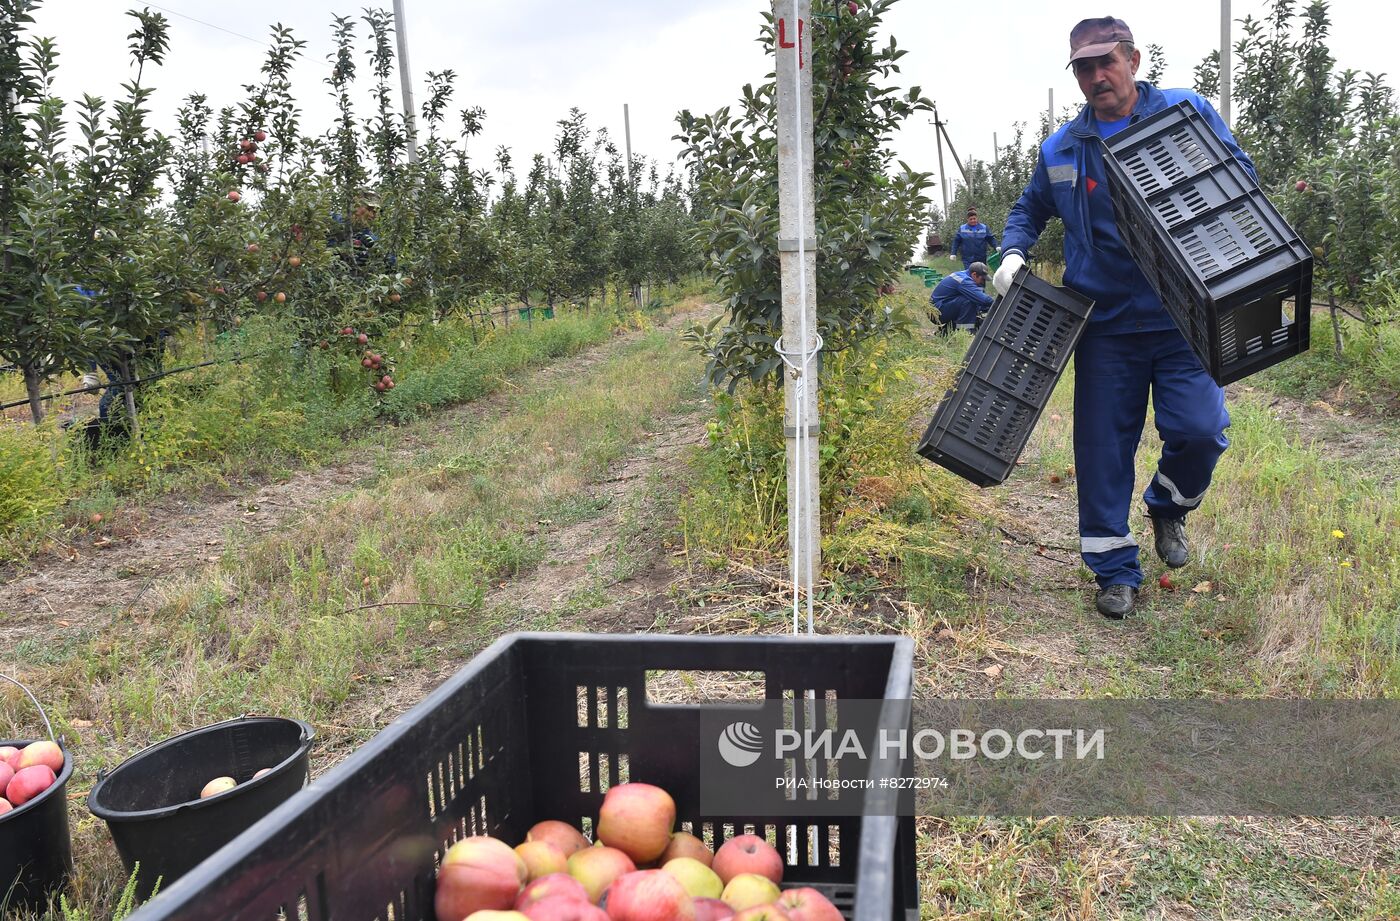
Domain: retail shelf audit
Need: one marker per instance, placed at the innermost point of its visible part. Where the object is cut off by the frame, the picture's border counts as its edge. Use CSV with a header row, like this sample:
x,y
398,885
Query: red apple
x,y
5,805
7,774
748,854
541,858
253,248
851,5
1302,185
28,783
294,261
560,834
684,844
649,895
234,196
749,889
362,338
1166,584
8,754
597,867
45,752
637,819
367,362
712,910
492,915
395,298
259,135
807,904
245,144
769,912
262,296
553,885
699,880
478,873
243,159
564,908
216,786
261,772
280,297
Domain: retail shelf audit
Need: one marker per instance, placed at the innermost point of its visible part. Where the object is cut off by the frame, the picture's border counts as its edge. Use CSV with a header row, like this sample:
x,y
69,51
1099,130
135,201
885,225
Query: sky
x,y
527,62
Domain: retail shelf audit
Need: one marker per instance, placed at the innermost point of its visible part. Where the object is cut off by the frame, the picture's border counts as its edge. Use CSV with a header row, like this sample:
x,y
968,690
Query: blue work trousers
x,y
1112,378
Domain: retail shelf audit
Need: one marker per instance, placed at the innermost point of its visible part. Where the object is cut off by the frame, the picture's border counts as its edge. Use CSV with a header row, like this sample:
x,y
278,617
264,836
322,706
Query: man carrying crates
x,y
1131,346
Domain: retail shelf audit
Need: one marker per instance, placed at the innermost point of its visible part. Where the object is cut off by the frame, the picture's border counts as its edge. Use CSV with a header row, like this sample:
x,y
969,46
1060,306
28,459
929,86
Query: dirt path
x,y
103,574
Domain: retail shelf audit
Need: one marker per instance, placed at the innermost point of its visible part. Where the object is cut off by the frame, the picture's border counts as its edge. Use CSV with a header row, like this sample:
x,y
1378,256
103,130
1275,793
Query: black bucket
x,y
151,802
36,849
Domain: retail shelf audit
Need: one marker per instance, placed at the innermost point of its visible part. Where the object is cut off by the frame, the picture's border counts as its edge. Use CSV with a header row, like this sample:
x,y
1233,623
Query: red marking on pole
x,y
784,43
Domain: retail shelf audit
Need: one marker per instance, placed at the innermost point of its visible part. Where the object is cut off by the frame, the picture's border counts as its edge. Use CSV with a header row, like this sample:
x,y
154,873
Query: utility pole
x,y
942,178
1225,61
996,150
1050,123
943,127
627,130
797,256
410,120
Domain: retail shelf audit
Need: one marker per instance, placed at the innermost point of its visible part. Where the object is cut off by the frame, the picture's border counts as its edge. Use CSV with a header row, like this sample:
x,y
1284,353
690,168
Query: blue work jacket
x,y
959,299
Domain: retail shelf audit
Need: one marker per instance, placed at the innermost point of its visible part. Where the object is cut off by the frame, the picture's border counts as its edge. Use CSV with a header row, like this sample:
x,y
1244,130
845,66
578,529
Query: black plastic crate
x,y
538,727
1232,274
1011,368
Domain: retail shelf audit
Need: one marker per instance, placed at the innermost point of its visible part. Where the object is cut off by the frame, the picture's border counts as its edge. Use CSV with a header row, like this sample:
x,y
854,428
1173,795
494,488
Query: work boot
x,y
1116,601
1169,538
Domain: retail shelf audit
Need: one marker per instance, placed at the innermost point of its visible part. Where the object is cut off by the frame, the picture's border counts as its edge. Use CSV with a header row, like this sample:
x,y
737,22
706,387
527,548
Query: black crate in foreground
x,y
538,727
1234,276
1013,364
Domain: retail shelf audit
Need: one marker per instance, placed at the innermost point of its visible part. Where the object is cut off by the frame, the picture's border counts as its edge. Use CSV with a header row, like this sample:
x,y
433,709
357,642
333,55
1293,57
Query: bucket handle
x,y
34,700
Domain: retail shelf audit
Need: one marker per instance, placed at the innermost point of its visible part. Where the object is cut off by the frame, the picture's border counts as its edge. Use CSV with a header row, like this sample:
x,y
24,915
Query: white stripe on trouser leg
x,y
1105,544
1177,497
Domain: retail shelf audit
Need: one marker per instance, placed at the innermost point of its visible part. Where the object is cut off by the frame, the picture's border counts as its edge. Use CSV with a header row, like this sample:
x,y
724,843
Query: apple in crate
x,y
596,867
216,786
40,753
649,895
712,910
807,904
564,908
769,912
478,874
748,890
699,880
560,834
542,858
637,819
684,844
548,887
747,854
28,783
493,915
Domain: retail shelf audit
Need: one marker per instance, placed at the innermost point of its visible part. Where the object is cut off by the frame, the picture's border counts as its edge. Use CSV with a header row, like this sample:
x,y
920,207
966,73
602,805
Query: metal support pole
x,y
947,137
996,150
627,130
797,255
942,178
410,119
1050,123
1225,60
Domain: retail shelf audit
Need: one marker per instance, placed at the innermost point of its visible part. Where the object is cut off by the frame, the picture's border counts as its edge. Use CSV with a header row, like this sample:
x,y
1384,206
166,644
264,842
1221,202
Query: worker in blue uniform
x,y
971,241
1131,346
960,300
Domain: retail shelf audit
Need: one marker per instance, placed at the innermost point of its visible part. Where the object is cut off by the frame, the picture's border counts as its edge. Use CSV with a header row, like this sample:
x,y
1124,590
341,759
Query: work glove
x,y
89,380
1010,264
952,258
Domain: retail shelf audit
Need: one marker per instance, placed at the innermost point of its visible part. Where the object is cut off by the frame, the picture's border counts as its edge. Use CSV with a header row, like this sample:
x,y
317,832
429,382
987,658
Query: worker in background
x,y
960,300
971,241
1131,345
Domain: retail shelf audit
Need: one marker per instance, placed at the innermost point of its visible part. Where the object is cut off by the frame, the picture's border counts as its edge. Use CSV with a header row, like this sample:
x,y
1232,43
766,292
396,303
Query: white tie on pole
x,y
797,256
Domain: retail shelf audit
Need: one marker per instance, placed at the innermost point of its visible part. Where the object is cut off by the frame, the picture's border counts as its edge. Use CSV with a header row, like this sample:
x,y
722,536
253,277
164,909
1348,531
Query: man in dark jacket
x,y
971,240
960,300
1131,345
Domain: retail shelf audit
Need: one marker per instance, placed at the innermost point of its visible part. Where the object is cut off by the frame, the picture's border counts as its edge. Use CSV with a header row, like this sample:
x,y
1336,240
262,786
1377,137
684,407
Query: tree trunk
x,y
128,373
1336,326
32,384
